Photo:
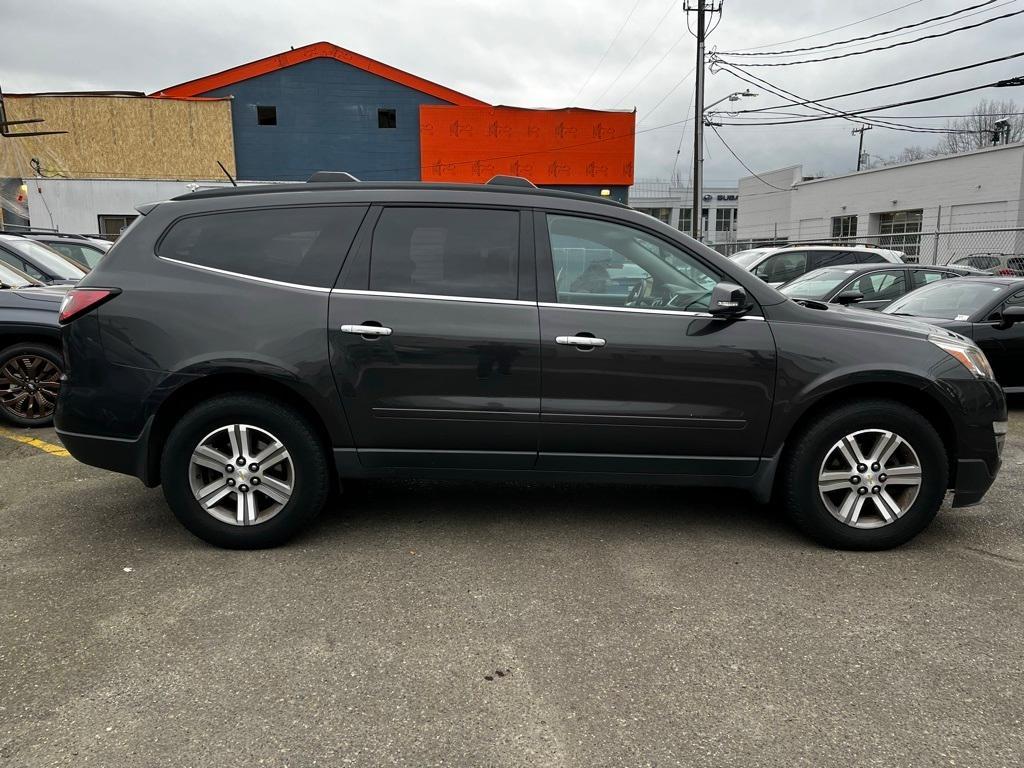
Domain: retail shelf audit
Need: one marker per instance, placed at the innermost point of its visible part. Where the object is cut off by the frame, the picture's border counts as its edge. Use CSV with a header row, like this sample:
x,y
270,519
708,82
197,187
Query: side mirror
x,y
1011,316
848,297
728,300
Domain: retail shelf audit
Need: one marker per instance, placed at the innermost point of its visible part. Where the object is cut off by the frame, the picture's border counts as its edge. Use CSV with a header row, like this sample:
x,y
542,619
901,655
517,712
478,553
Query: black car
x,y
31,365
85,252
988,310
39,261
869,286
245,348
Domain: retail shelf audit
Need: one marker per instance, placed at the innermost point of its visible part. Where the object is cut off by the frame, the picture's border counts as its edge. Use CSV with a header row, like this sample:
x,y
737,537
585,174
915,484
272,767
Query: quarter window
x,y
919,277
605,264
447,252
293,245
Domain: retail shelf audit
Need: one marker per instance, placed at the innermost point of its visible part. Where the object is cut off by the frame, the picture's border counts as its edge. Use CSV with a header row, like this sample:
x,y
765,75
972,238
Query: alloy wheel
x,y
29,385
241,474
869,478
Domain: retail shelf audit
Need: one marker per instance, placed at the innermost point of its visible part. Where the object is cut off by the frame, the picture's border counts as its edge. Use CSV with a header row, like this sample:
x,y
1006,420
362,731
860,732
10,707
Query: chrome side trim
x,y
264,280
642,310
433,296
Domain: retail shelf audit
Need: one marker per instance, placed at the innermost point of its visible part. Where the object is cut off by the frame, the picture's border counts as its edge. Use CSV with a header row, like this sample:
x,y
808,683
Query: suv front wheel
x,y
866,476
244,472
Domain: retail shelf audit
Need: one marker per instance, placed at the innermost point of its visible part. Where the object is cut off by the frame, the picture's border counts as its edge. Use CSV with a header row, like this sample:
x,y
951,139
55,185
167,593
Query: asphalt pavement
x,y
423,624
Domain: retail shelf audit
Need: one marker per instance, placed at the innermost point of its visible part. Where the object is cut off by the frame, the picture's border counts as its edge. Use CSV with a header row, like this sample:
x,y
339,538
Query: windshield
x,y
13,278
817,284
46,259
947,299
746,258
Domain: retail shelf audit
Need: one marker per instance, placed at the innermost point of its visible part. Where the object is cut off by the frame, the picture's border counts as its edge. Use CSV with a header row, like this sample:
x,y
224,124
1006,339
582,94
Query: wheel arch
x,y
194,392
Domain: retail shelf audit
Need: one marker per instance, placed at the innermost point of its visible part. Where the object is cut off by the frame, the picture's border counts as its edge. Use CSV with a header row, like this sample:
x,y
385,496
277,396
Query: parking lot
x,y
447,624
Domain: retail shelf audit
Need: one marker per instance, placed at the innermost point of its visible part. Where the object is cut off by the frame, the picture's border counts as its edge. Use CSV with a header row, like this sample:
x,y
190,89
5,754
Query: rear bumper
x,y
129,456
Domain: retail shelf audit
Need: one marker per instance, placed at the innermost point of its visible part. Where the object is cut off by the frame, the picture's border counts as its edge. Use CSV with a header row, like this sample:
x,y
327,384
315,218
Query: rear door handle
x,y
366,330
580,341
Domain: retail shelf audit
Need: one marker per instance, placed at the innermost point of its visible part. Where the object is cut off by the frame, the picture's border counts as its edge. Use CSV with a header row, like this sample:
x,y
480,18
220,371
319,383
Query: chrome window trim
x,y
641,310
228,273
433,296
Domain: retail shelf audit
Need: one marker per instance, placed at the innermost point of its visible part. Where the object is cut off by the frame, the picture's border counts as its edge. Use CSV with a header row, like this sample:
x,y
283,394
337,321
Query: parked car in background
x,y
867,286
1004,264
31,365
38,260
988,310
780,265
84,251
409,330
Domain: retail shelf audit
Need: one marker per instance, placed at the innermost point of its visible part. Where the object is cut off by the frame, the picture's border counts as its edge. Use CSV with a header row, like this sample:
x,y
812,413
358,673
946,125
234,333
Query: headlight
x,y
968,354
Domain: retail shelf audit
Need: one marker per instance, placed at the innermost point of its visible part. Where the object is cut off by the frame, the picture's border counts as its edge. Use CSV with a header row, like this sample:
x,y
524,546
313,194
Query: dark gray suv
x,y
246,348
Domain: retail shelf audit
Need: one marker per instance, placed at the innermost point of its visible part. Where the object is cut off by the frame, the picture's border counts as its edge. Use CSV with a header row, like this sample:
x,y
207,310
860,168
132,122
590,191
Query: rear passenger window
x,y
293,245
920,277
447,252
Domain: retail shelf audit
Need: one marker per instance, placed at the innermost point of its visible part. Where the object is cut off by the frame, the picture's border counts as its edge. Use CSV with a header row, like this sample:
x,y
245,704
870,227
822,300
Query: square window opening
x,y
266,115
387,118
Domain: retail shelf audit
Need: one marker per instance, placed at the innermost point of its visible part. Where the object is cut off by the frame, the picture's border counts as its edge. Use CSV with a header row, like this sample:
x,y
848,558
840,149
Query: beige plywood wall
x,y
120,137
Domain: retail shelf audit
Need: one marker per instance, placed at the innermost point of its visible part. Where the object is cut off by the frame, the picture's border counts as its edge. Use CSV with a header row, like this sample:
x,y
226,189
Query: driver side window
x,y
605,264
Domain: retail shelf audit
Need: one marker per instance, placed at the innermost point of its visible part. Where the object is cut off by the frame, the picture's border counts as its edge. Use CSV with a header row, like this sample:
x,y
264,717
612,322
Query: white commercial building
x,y
672,203
99,206
935,209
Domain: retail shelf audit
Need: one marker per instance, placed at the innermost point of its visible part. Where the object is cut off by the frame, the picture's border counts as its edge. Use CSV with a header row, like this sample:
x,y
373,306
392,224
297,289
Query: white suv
x,y
780,265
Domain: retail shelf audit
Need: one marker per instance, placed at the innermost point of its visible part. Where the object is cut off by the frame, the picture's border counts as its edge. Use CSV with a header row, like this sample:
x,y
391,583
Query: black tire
x,y
799,475
37,351
311,481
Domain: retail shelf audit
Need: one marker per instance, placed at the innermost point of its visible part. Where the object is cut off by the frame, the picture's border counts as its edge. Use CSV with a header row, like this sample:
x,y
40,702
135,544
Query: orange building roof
x,y
320,50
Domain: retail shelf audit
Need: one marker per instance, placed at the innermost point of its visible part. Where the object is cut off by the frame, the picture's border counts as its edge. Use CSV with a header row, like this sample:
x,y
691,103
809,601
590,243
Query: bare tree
x,y
978,127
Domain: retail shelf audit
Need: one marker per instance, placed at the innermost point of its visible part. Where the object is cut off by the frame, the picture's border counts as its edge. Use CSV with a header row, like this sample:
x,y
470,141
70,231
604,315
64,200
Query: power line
x,y
863,37
649,72
855,115
738,160
606,51
657,27
834,29
671,90
881,87
884,47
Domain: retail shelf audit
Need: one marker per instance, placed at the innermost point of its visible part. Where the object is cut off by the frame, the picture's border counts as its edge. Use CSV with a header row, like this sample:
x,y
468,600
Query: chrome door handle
x,y
366,330
580,341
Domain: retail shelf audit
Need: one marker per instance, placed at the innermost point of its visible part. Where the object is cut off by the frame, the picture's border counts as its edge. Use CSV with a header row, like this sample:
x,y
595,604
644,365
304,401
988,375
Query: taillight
x,y
1004,272
78,301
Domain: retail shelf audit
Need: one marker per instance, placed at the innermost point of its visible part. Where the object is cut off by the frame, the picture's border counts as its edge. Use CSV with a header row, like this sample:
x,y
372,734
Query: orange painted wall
x,y
558,146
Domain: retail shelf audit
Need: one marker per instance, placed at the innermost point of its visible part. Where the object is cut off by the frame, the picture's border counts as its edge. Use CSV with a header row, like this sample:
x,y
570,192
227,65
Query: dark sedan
x,y
39,261
869,286
989,310
31,364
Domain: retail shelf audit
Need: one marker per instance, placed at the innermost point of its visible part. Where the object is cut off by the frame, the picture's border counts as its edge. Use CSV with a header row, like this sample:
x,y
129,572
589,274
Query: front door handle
x,y
366,330
580,341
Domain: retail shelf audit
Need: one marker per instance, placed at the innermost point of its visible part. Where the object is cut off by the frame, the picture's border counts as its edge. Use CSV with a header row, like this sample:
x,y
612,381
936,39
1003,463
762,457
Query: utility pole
x,y
860,144
698,124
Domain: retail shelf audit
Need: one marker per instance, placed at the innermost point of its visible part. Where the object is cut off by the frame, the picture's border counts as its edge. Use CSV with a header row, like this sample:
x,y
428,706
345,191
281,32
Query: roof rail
x,y
510,181
331,176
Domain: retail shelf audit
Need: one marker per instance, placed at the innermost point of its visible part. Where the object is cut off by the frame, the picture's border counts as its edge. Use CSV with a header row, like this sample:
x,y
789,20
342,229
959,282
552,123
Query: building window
x,y
685,219
111,226
901,231
725,220
661,214
387,118
844,227
266,115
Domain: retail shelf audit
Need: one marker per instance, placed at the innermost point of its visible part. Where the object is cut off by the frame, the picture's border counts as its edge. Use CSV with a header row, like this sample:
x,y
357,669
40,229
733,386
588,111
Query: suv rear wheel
x,y
244,472
29,384
866,476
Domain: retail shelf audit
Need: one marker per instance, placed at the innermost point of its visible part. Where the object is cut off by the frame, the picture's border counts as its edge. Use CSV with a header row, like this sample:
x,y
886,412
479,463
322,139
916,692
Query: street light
x,y
698,156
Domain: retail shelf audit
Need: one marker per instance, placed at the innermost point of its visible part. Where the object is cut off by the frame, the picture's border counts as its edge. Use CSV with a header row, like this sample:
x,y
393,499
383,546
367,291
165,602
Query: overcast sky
x,y
538,53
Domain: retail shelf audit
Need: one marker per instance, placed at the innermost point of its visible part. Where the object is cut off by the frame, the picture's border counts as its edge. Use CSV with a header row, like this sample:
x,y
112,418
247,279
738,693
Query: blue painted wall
x,y
326,121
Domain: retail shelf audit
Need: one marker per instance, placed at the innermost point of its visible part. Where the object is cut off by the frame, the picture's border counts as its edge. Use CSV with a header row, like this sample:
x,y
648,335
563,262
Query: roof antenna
x,y
226,173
